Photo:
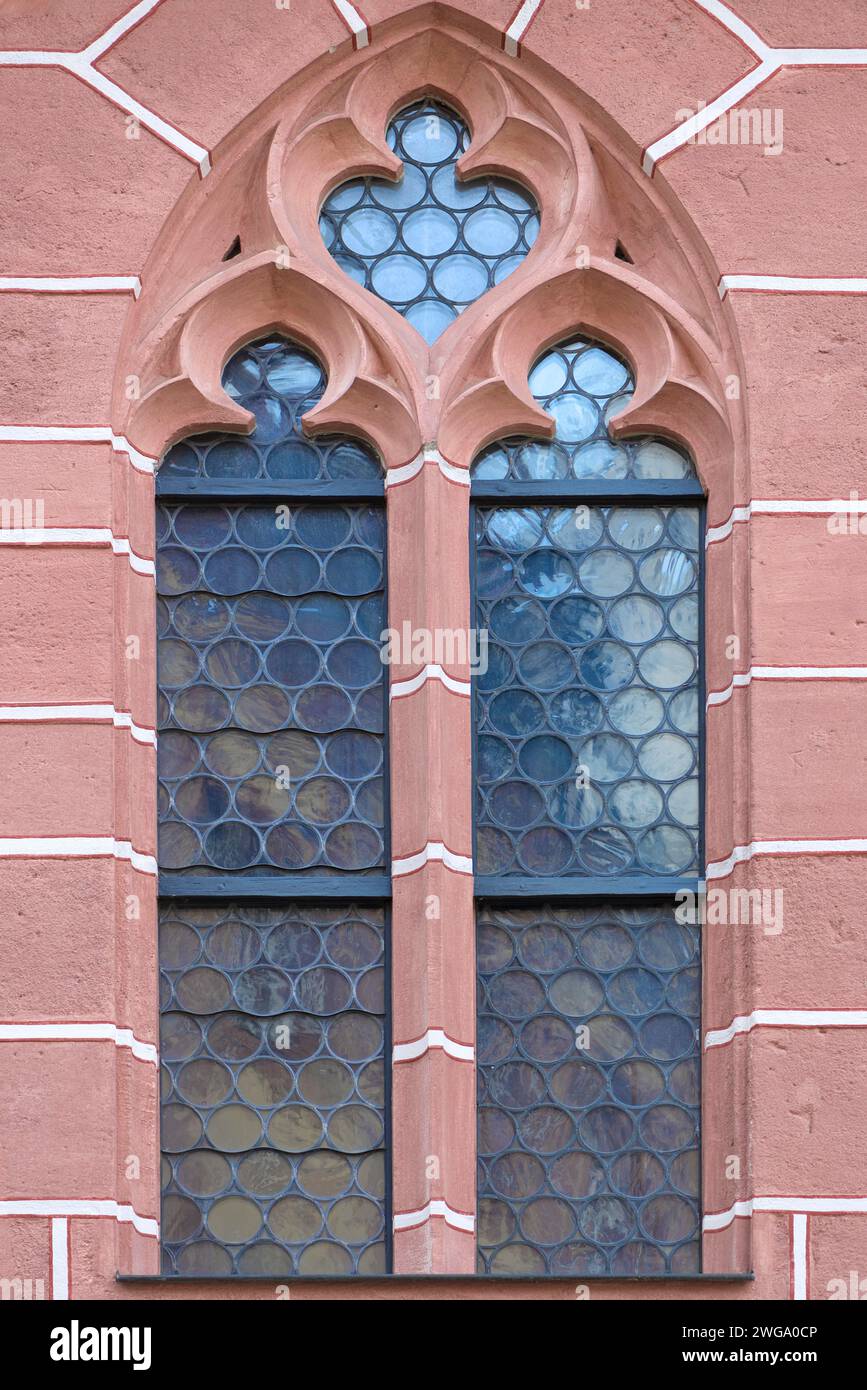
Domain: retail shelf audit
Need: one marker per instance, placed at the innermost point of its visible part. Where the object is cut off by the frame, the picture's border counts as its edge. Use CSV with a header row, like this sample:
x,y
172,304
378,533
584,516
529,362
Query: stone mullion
x,y
433,955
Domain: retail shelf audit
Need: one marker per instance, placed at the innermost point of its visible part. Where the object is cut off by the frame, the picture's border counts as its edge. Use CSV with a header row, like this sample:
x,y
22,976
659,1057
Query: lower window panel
x,y
589,1091
273,1089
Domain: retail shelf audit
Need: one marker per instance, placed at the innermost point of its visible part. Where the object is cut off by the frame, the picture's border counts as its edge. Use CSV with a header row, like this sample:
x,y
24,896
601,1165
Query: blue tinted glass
x,y
272,692
278,382
587,710
273,1105
589,1104
583,386
430,244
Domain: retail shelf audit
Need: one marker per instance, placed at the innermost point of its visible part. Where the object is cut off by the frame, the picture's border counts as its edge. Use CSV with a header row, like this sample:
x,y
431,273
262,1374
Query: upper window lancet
x,y
430,244
582,386
271,711
593,662
278,382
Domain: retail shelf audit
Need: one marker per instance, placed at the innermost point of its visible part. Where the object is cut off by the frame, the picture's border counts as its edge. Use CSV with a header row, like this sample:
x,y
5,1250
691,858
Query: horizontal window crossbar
x,y
287,489
343,888
506,888
590,490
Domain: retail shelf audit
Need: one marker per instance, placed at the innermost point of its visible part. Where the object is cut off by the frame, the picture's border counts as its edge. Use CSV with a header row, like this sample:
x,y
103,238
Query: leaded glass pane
x,y
587,713
589,1100
430,244
278,382
273,1076
582,386
272,691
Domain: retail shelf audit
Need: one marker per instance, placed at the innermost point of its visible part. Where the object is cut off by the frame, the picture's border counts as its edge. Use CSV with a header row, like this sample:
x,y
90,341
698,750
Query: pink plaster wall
x,y
784,756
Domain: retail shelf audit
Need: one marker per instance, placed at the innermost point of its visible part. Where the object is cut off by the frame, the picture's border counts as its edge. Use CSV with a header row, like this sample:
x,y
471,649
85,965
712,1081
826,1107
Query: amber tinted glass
x,y
272,692
273,1099
588,1091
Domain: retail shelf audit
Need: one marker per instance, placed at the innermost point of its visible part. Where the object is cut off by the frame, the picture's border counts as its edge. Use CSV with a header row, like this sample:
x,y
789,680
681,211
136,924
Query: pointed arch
x,y
617,261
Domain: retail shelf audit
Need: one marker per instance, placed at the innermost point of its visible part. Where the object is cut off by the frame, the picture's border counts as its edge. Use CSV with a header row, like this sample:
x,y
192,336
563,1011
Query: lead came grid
x,y
271,706
589,1099
587,714
278,382
582,387
429,245
273,1101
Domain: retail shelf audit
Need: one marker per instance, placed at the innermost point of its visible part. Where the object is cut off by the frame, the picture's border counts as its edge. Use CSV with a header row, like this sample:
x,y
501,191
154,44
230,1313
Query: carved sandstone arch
x,y
270,177
660,309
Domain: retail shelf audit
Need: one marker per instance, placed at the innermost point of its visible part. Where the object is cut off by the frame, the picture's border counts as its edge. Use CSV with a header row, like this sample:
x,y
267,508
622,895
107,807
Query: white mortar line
x,y
785,1018
434,850
721,868
460,1220
77,434
749,1206
70,284
434,672
77,536
821,57
778,506
117,30
77,713
395,476
80,64
742,679
700,120
794,284
53,1207
516,30
80,1032
735,25
799,1256
354,23
76,847
59,1257
771,60
406,471
434,1038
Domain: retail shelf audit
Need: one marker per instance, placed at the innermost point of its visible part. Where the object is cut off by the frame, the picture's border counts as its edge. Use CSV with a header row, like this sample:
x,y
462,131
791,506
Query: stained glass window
x,y
278,382
588,1091
587,574
273,1088
430,244
271,763
588,710
581,386
272,690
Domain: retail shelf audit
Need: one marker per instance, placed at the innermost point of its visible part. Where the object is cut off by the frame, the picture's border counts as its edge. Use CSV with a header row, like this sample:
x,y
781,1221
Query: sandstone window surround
x,y
615,262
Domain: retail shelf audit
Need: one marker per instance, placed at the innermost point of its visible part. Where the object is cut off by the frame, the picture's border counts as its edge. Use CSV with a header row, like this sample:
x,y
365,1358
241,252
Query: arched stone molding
x,y
270,178
615,259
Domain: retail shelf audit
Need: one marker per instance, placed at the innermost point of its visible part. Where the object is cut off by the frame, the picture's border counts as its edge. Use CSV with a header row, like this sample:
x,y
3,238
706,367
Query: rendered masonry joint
x,y
770,61
81,64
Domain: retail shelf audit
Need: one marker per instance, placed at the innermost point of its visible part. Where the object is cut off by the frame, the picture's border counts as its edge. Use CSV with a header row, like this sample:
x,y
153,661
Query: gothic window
x,y
273,838
587,580
547,804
